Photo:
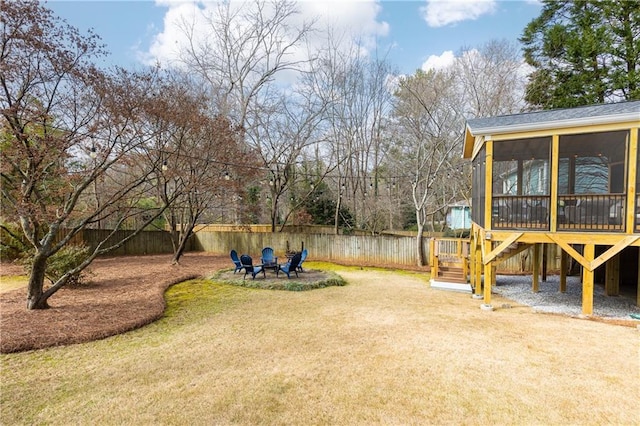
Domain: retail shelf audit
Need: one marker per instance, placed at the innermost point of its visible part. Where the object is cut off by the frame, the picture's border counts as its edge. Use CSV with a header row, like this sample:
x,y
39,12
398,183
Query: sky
x,y
411,34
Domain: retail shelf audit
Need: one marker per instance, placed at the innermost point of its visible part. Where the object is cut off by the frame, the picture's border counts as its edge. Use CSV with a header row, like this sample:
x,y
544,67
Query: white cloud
x,y
437,63
358,17
353,19
439,13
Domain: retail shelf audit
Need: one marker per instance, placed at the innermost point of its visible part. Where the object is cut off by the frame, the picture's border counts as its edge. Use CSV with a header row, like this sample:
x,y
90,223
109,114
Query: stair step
x,y
451,274
450,268
458,280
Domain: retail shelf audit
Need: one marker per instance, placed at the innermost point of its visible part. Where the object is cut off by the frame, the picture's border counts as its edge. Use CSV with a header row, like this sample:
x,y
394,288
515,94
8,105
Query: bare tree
x,y
284,135
200,154
428,126
491,79
66,125
354,88
239,52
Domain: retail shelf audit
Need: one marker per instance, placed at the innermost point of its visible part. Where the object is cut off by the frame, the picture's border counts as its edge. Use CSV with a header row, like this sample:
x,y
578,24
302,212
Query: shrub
x,y
69,257
12,239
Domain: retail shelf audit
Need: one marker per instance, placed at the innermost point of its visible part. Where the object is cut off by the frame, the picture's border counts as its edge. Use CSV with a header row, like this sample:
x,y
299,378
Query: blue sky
x,y
413,32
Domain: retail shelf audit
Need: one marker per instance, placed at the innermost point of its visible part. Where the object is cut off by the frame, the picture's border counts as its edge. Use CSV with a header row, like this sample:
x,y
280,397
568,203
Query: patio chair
x,y
250,268
236,261
290,266
303,257
267,257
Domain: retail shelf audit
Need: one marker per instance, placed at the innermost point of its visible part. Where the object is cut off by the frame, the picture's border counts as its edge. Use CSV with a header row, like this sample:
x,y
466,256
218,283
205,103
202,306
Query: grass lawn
x,y
384,349
11,282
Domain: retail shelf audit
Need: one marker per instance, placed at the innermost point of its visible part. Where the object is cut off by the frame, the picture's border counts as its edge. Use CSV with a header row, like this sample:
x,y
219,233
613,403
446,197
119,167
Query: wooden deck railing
x,y
520,212
591,212
583,212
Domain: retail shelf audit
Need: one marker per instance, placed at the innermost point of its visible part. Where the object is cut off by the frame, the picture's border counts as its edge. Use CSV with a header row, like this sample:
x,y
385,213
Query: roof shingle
x,y
557,115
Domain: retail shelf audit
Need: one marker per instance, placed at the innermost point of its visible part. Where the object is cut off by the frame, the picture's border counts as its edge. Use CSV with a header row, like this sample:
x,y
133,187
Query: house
x,y
567,177
459,215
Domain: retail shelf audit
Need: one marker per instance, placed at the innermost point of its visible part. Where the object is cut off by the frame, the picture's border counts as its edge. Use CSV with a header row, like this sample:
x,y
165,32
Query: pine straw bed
x,y
123,293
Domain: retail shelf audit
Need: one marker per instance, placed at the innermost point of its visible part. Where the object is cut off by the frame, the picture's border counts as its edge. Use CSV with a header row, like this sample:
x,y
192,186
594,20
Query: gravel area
x,y
549,298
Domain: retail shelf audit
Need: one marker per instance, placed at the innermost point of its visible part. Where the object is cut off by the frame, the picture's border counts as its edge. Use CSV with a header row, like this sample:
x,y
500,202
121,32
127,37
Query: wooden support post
x,y
494,273
630,212
488,275
488,190
587,281
433,258
464,253
544,262
472,263
638,288
535,279
564,257
478,268
612,273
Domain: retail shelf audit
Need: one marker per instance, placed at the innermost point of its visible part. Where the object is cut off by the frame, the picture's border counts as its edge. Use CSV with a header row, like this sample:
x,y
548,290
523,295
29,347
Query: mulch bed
x,y
124,293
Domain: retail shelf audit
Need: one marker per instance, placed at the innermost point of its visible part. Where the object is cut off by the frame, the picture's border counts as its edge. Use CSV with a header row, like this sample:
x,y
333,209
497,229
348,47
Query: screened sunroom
x,y
567,177
590,171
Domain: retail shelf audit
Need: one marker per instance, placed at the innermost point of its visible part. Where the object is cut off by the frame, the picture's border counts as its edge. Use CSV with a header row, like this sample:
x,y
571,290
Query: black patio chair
x,y
290,266
250,268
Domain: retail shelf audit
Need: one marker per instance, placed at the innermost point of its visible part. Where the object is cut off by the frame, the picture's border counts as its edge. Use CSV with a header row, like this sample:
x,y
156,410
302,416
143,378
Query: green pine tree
x,y
583,52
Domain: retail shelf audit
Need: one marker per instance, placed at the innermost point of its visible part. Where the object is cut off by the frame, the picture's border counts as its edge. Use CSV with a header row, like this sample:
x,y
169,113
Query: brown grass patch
x,y
385,349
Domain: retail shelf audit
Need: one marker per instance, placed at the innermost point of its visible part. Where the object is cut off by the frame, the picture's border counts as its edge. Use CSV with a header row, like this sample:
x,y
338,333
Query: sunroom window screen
x,y
637,165
592,163
478,188
521,167
638,189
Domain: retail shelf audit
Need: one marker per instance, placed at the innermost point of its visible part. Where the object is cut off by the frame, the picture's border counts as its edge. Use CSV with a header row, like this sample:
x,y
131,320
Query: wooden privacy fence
x,y
370,250
146,242
366,249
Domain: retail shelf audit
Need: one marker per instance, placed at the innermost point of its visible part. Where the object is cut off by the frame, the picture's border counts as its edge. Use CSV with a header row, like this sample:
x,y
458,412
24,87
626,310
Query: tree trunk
x,y
274,215
175,236
336,218
419,248
184,238
35,295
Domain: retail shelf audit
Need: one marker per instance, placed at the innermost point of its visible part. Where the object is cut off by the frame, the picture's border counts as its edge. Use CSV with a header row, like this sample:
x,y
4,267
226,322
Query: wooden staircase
x,y
512,250
451,274
450,264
